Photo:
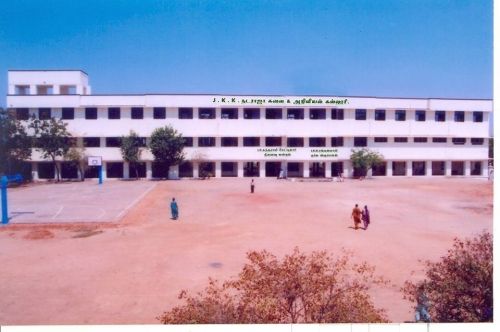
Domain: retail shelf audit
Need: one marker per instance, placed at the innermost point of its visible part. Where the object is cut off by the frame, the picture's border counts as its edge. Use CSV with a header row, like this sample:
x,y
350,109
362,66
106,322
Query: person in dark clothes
x,y
365,217
252,186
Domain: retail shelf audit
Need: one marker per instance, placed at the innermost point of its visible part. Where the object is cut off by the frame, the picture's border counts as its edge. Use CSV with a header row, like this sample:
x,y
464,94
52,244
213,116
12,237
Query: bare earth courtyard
x,y
129,264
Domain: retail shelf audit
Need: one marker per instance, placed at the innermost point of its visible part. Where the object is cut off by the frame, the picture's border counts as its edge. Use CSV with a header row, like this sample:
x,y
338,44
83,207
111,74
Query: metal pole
x,y
5,215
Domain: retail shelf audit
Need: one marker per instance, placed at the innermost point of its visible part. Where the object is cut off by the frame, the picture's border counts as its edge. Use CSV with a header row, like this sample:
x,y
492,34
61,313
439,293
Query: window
x,y
418,168
114,170
251,141
294,142
229,113
440,116
142,141
360,114
400,139
477,116
273,113
459,116
439,140
380,139
360,141
160,113
273,141
458,140
400,115
114,113
295,113
477,141
67,89
137,113
185,113
91,142
420,115
91,113
188,141
229,141
419,139
22,90
44,113
71,141
379,169
206,113
186,169
337,113
337,141
475,168
206,141
68,113
379,115
398,168
113,142
229,169
317,141
22,113
438,168
251,113
44,90
317,113
457,168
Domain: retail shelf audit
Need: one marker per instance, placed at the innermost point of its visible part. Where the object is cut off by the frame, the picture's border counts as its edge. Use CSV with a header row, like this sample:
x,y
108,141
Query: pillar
x,y
33,89
56,89
126,170
485,170
389,168
328,169
218,169
346,165
196,170
149,170
409,170
306,169
428,168
34,171
447,168
240,165
173,172
467,167
104,171
262,168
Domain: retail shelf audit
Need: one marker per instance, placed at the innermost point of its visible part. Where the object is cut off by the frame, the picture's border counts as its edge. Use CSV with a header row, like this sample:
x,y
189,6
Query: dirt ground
x,y
131,271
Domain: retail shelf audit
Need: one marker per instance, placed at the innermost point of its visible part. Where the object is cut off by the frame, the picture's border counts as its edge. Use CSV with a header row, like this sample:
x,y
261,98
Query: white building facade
x,y
258,136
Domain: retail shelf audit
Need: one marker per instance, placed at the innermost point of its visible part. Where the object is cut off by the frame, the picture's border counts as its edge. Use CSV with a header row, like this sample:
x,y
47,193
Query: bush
x,y
301,288
460,286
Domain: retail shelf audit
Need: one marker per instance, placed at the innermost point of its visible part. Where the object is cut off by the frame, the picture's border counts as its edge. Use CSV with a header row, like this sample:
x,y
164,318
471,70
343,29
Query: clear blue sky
x,y
397,48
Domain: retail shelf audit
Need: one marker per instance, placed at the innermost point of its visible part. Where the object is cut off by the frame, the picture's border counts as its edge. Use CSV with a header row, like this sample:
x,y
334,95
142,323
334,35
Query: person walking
x,y
356,216
365,217
174,209
422,310
252,186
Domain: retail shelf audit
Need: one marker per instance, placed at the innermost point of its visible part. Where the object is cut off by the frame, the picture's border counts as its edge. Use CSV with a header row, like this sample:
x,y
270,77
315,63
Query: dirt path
x,y
132,271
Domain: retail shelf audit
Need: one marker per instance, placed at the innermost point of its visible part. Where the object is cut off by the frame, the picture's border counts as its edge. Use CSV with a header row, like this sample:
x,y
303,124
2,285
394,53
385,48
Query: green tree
x,y
15,144
460,285
363,159
52,139
167,146
77,157
131,150
300,288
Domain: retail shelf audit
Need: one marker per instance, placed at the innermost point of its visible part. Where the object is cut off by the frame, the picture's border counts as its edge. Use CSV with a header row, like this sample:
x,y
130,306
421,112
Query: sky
x,y
384,48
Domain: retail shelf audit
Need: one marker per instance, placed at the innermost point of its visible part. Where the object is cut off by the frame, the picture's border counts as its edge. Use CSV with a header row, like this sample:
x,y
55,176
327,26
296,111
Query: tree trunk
x,y
57,169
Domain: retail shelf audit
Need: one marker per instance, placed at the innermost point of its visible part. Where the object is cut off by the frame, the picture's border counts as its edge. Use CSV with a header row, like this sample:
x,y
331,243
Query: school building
x,y
257,136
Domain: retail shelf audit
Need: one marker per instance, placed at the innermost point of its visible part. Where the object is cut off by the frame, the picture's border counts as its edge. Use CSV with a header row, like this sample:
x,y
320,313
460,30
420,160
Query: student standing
x,y
366,217
252,186
174,209
356,216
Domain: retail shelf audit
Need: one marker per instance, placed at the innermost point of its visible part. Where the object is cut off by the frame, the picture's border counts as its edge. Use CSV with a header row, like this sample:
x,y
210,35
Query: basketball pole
x,y
5,214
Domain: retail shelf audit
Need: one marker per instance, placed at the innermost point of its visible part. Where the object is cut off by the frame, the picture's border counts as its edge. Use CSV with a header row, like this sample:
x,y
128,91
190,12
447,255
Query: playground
x,y
110,254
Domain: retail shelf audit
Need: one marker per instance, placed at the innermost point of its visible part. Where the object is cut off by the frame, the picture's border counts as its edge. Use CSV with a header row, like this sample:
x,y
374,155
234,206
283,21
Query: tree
x,y
490,148
364,159
131,150
166,145
77,157
15,144
199,158
460,285
300,288
52,139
